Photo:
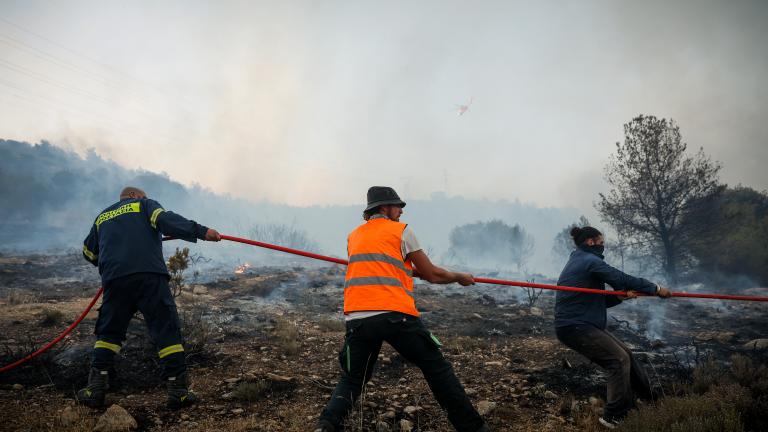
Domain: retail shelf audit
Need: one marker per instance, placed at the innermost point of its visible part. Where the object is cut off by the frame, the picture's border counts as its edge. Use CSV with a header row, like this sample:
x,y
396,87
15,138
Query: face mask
x,y
598,249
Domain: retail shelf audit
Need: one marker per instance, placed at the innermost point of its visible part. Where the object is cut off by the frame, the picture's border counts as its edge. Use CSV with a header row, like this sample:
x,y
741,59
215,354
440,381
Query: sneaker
x,y
609,422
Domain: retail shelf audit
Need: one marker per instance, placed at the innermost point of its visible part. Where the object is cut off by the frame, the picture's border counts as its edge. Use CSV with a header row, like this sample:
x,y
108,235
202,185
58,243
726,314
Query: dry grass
x,y
74,419
196,330
287,335
289,421
720,409
331,325
50,317
719,398
17,297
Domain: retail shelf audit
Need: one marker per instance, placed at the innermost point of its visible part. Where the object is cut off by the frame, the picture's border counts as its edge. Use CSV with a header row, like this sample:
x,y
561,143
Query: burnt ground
x,y
263,352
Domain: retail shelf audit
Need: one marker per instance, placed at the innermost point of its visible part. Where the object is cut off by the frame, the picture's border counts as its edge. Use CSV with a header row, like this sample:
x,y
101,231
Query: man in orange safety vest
x,y
379,306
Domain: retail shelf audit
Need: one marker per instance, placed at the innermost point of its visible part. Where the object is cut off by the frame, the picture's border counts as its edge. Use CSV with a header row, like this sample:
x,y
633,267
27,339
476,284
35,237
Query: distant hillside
x,y
51,197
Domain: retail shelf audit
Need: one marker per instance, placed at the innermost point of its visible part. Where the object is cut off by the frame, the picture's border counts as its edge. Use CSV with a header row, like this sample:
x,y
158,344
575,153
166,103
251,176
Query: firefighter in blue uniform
x,y
125,242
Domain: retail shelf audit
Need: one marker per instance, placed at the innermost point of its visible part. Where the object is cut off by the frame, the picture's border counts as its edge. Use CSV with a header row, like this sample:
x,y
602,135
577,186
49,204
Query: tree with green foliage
x,y
177,264
736,242
655,188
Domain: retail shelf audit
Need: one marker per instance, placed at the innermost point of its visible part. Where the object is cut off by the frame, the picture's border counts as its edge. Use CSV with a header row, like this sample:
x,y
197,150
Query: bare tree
x,y
563,244
283,235
532,294
492,242
655,185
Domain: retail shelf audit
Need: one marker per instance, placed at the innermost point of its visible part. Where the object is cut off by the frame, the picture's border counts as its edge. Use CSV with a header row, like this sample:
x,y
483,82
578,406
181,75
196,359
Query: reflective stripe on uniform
x,y
379,257
173,349
90,255
155,214
107,345
375,280
133,207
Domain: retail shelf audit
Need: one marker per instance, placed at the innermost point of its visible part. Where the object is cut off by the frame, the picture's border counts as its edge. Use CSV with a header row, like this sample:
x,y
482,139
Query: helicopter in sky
x,y
462,109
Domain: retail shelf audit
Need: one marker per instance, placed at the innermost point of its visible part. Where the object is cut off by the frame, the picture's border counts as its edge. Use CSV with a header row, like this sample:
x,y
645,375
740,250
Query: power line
x,y
96,62
115,124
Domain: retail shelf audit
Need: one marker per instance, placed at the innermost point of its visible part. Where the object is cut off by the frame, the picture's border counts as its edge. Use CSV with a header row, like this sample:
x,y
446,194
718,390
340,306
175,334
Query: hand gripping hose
x,y
344,262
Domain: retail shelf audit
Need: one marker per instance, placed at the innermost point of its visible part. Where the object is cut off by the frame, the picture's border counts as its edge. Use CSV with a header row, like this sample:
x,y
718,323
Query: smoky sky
x,y
309,103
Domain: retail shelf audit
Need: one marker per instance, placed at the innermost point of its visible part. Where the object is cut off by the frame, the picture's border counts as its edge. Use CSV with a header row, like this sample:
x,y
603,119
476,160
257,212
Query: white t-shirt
x,y
408,244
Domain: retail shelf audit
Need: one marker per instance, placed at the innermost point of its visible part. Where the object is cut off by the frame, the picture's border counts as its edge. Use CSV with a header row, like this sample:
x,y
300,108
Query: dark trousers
x,y
148,293
626,377
408,336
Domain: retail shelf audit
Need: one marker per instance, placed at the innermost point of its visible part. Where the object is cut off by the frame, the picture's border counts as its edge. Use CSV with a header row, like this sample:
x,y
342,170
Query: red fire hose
x,y
501,281
58,339
344,262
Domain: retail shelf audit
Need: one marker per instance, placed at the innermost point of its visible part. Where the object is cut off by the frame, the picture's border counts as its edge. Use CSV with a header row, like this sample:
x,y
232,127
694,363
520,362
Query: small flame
x,y
242,268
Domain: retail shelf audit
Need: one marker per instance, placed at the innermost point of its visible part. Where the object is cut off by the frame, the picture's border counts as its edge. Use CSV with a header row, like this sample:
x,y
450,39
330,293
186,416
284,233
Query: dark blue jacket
x,y
586,269
126,238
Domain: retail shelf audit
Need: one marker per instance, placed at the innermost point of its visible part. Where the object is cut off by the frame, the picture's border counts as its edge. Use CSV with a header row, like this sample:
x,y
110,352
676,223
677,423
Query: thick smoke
x,y
53,195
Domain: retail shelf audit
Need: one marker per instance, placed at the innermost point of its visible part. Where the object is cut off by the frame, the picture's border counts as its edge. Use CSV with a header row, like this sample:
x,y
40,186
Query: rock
x,y
719,336
390,414
279,378
77,355
485,407
757,344
494,363
237,411
185,416
232,380
115,419
550,395
68,416
406,425
470,391
477,316
382,426
410,409
17,387
536,311
199,289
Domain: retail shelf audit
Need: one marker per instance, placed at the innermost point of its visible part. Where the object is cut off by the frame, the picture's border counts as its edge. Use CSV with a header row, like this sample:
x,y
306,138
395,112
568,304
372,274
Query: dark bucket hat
x,y
383,195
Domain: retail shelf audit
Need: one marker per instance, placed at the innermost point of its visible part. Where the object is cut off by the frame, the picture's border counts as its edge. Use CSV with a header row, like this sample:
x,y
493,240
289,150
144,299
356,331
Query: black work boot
x,y
324,426
179,395
93,395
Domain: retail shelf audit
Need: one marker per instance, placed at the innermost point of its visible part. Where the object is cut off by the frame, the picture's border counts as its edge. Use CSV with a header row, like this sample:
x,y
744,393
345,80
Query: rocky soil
x,y
263,353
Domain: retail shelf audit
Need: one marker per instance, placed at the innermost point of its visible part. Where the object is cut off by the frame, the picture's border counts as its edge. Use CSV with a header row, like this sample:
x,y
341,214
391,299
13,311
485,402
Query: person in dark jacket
x,y
125,243
580,320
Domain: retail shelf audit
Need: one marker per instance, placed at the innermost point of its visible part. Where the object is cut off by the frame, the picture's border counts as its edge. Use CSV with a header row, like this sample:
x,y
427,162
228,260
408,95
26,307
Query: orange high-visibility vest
x,y
378,276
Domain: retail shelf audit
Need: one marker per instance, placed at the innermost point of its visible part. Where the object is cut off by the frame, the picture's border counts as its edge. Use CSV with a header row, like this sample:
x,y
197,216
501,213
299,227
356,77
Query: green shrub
x,y
251,391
